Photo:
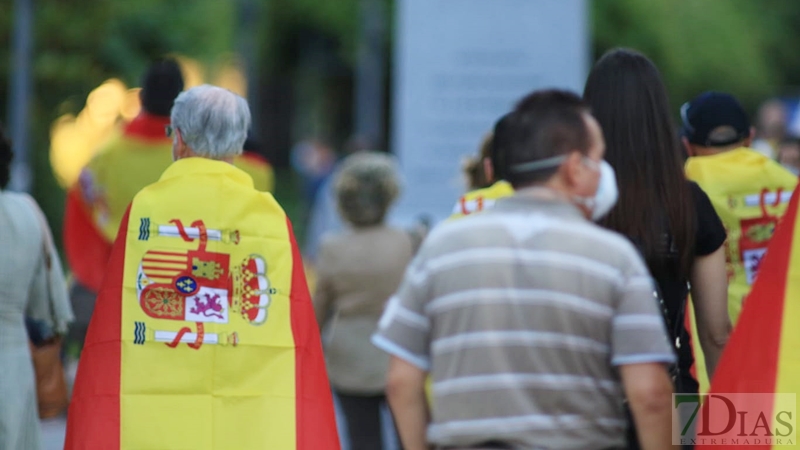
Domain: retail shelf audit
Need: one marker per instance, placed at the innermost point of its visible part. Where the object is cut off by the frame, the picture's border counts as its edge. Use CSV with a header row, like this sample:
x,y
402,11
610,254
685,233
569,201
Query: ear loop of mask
x,y
548,163
539,164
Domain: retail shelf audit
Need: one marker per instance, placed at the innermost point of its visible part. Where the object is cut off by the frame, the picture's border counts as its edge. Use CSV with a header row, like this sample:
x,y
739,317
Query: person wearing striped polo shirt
x,y
534,323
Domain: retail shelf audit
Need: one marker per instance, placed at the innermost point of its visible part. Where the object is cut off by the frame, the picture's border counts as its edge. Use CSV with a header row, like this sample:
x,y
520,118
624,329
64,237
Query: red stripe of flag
x,y
93,421
315,423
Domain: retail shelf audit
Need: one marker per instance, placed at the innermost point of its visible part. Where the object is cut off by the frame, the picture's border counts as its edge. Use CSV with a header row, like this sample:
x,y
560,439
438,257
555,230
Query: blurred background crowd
x,y
300,64
319,81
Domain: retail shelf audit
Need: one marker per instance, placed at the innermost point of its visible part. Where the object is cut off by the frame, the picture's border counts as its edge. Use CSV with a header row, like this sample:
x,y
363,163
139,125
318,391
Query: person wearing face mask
x,y
532,321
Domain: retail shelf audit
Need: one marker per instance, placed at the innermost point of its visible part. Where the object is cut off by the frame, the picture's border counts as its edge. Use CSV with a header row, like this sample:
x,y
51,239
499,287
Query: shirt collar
x,y
204,166
523,201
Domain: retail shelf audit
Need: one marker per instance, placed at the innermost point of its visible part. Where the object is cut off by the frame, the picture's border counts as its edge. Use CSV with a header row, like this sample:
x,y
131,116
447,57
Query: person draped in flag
x,y
486,181
204,335
748,190
131,160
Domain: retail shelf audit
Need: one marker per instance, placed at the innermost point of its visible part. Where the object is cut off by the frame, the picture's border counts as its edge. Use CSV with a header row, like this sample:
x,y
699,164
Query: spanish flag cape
x,y
750,193
203,334
763,352
480,199
131,160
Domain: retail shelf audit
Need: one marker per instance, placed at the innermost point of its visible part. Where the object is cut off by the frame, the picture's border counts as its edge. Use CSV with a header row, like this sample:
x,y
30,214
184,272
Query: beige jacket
x,y
357,273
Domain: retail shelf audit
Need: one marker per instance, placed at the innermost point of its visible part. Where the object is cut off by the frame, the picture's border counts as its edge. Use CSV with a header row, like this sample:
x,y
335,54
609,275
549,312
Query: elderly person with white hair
x,y
204,334
358,270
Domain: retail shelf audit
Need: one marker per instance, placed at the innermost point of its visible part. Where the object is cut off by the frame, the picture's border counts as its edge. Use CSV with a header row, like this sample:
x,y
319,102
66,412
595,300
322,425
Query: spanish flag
x,y
203,335
763,353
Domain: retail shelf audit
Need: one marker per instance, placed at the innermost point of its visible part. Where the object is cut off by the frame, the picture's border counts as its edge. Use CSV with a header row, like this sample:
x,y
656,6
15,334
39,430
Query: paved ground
x,y
54,430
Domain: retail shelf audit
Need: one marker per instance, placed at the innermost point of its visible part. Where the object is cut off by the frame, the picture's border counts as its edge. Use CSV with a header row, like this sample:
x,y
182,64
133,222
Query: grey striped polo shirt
x,y
522,314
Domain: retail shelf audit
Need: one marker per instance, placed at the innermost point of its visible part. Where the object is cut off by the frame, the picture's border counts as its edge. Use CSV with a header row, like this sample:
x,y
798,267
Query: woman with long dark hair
x,y
669,219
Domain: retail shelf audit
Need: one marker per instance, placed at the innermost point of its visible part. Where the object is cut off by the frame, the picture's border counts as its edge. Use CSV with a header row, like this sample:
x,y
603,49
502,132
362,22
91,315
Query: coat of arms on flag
x,y
199,285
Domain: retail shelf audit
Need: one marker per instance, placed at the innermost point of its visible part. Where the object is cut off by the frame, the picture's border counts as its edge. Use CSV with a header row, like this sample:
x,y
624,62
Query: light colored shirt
x,y
522,315
358,271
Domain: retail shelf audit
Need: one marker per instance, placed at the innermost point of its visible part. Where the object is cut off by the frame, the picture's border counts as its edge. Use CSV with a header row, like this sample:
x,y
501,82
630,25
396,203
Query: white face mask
x,y
606,195
604,198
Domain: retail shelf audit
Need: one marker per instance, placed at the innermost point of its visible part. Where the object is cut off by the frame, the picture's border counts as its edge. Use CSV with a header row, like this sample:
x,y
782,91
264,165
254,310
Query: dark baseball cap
x,y
709,111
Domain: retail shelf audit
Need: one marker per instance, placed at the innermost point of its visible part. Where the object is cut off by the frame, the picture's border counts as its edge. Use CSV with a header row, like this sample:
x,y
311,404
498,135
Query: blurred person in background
x,y
771,128
314,160
532,320
32,286
669,219
358,270
486,182
253,162
132,160
97,202
749,191
323,216
789,155
477,168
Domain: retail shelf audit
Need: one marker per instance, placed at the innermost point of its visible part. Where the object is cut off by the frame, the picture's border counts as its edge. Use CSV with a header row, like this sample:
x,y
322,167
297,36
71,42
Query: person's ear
x,y
181,150
572,169
749,140
488,170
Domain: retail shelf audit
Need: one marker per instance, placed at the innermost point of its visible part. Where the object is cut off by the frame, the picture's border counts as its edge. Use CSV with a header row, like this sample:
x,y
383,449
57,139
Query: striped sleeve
x,y
404,328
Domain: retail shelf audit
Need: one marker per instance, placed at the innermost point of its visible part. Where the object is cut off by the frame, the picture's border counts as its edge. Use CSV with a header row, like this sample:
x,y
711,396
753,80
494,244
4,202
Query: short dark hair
x,y
5,159
162,82
544,124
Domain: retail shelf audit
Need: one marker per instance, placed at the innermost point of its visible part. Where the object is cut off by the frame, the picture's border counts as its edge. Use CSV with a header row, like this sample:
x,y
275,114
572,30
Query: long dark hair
x,y
629,100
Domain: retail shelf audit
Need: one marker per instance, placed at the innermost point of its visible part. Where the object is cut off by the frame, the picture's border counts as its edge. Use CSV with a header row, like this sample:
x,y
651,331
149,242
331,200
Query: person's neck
x,y
227,159
550,190
711,151
553,191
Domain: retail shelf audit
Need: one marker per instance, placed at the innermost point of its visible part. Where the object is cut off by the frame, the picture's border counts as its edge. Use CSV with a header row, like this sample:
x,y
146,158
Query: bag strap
x,y
47,252
47,243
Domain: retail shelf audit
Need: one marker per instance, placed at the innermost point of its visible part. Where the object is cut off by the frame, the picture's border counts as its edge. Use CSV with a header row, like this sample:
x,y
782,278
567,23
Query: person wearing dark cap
x,y
749,191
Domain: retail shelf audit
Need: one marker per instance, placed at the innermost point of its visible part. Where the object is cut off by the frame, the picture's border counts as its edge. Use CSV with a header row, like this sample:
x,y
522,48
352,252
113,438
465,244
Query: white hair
x,y
212,121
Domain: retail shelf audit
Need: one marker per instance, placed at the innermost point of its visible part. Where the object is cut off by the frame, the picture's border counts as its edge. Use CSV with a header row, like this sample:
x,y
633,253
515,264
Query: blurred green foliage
x,y
743,46
81,43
